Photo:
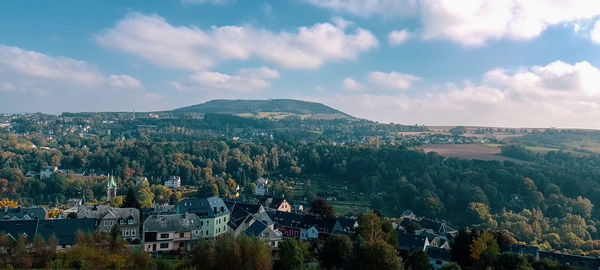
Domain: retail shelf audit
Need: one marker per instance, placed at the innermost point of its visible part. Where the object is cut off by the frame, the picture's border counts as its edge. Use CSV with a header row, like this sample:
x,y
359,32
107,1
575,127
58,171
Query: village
x,y
172,230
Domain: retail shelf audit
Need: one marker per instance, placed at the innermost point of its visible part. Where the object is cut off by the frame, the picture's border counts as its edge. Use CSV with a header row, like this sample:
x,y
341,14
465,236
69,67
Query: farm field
x,y
468,151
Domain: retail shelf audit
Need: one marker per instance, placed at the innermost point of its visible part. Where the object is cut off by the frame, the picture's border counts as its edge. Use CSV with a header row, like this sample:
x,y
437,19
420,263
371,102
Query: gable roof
x,y
305,221
210,207
172,223
23,213
411,242
63,229
107,212
574,260
438,253
256,228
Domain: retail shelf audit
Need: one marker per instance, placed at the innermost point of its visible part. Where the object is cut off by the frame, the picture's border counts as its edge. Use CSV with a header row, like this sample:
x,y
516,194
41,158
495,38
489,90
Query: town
x,y
173,230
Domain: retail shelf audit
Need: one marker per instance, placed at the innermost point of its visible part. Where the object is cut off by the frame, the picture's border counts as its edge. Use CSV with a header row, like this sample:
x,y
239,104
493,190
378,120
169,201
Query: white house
x,y
174,182
262,187
47,171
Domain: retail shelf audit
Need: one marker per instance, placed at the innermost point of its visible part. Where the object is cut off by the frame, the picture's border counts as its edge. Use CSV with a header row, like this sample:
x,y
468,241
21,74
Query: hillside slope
x,y
272,108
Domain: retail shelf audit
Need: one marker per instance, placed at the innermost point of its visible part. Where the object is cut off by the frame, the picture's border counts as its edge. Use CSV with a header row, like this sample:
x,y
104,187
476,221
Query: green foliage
x,y
131,199
376,255
336,252
290,255
417,261
229,252
450,266
322,208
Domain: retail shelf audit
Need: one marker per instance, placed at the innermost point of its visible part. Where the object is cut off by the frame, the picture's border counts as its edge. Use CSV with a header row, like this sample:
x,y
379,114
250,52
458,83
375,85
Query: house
x,y
255,224
586,262
175,232
212,213
262,187
301,225
47,171
128,219
23,213
525,250
65,230
436,240
174,182
345,225
438,257
409,243
277,204
158,209
408,214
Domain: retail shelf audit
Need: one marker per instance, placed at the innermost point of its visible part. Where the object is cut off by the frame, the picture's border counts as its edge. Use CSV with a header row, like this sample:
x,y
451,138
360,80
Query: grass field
x,y
350,207
469,151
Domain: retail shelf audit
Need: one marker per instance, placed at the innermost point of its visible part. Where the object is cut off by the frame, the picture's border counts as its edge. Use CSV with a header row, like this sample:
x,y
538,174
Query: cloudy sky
x,y
436,62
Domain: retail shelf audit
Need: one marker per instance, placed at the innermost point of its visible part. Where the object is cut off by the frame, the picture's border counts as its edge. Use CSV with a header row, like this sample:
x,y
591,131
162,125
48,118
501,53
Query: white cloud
x,y
33,81
595,33
187,47
555,95
352,85
392,80
247,80
367,8
398,37
475,22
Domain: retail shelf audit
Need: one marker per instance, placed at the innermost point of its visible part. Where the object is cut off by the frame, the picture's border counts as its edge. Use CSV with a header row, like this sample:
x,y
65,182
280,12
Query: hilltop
x,y
272,108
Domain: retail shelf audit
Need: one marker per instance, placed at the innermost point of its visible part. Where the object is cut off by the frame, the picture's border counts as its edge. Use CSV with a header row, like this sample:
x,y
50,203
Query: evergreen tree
x,y
131,200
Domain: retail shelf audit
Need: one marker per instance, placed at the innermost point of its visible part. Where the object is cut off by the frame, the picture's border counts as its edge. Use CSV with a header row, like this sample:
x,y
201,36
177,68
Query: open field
x,y
468,151
350,207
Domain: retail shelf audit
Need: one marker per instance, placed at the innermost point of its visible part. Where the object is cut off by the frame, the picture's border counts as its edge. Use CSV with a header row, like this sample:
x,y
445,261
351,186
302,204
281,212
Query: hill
x,y
272,108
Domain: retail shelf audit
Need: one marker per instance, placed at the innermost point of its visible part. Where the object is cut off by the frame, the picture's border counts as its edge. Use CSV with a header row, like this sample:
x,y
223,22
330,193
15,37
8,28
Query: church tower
x,y
111,189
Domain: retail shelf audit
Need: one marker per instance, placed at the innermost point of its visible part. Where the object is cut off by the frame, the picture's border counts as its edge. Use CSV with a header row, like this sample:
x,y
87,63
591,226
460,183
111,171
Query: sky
x,y
508,63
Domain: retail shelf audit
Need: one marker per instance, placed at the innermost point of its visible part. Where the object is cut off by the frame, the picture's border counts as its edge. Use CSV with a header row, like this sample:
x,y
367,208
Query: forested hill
x,y
265,108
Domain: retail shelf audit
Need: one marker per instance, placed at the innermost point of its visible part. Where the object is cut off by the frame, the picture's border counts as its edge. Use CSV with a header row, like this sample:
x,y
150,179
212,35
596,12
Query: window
x,y
130,221
218,230
126,232
164,245
180,244
132,232
180,234
201,222
273,243
206,232
105,223
207,222
110,223
225,219
121,221
197,232
164,235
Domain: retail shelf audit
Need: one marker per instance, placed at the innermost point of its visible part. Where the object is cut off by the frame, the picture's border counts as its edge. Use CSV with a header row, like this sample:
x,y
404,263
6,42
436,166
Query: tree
x,y
131,200
418,261
322,208
461,248
450,266
336,252
290,255
484,243
376,255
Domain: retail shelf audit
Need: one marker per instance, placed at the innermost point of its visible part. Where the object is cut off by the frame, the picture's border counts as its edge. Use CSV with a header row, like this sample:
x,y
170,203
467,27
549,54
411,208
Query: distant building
x,y
107,217
174,182
175,232
23,213
47,171
262,187
437,257
111,189
63,229
212,212
278,204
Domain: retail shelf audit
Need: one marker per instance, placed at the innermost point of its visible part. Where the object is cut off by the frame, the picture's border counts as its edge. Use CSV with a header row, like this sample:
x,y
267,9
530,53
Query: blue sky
x,y
435,62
